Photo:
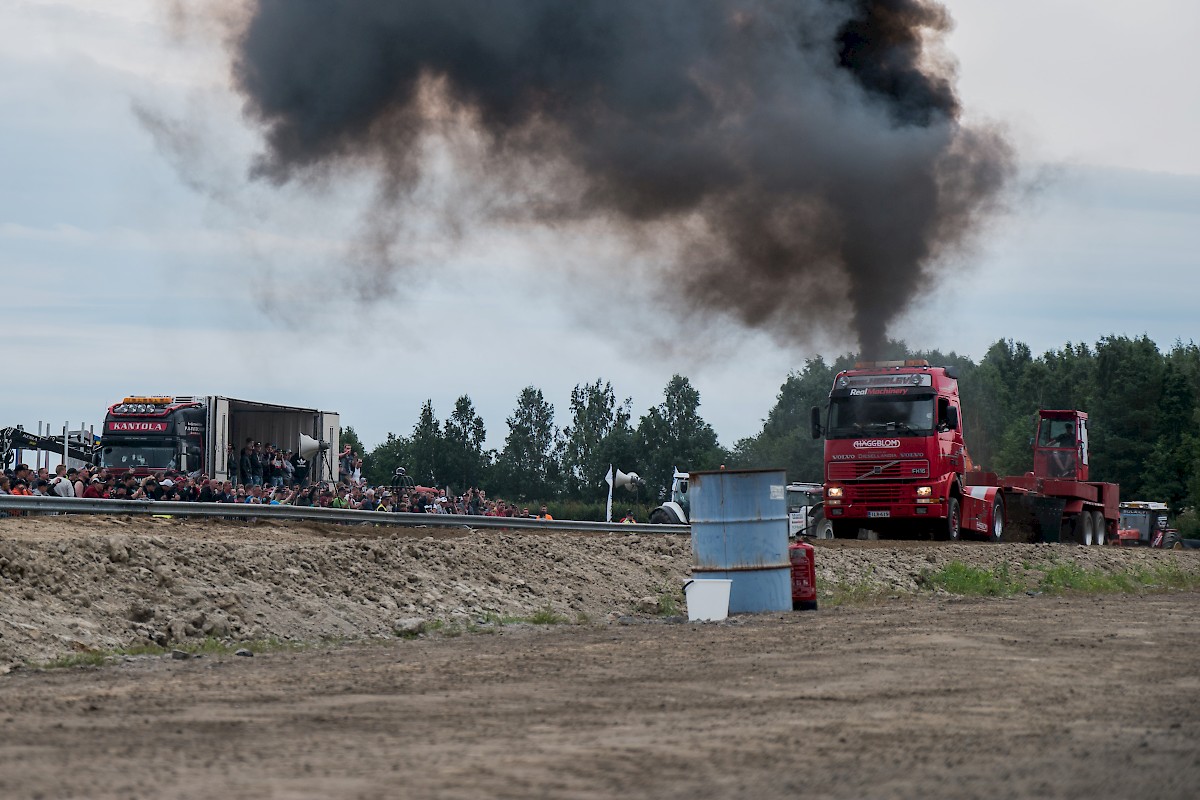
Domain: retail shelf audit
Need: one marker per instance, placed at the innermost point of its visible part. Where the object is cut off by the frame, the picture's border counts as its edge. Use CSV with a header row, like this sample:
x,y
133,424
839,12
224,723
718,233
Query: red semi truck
x,y
896,464
150,434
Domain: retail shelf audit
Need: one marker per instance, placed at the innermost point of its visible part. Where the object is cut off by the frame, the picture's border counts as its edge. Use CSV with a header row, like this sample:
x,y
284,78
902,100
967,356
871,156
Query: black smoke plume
x,y
806,157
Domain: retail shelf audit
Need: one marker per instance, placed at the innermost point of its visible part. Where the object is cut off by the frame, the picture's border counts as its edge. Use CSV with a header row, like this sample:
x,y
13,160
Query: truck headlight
x,y
924,491
834,491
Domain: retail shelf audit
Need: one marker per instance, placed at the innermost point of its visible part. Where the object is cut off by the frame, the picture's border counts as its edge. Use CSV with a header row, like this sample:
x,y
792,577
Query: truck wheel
x,y
822,528
1087,529
661,516
1171,541
953,530
997,532
1099,524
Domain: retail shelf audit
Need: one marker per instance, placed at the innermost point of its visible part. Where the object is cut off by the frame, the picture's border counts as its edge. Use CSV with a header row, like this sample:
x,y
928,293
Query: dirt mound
x,y
72,584
75,584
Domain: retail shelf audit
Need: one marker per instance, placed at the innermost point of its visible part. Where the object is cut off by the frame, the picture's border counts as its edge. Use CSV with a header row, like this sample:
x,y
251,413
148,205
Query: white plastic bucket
x,y
707,599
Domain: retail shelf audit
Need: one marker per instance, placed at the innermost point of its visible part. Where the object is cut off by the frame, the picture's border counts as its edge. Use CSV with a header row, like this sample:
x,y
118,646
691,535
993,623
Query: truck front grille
x,y
876,494
910,469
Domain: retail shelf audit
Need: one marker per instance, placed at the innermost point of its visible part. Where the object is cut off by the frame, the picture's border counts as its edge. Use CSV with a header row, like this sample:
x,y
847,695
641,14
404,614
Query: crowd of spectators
x,y
264,481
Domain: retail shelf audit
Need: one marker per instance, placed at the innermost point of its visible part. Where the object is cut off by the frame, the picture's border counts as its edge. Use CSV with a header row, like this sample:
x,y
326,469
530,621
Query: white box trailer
x,y
233,421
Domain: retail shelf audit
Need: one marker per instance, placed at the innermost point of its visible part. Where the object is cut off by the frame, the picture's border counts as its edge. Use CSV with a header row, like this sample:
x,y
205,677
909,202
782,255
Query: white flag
x,y
609,479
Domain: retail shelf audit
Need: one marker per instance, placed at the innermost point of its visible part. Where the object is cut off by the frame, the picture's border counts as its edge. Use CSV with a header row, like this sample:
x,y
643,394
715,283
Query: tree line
x,y
1143,406
1143,410
541,461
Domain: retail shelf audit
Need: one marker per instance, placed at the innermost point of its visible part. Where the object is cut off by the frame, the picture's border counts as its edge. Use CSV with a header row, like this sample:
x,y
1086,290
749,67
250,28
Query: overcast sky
x,y
128,270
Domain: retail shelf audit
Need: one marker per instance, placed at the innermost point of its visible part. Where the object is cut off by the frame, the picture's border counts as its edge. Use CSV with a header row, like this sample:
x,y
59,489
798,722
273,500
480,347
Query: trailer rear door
x,y
218,438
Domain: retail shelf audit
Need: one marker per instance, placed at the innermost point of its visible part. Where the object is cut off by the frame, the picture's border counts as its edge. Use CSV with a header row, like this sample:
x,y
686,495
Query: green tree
x,y
526,467
425,448
1125,413
673,433
392,453
463,462
995,416
598,432
786,440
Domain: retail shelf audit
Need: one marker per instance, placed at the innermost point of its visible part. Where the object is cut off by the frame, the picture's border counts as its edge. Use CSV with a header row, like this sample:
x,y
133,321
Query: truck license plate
x,y
879,514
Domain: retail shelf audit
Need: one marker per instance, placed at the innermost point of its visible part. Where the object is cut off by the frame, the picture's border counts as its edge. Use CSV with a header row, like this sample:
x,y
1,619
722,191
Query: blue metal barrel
x,y
740,532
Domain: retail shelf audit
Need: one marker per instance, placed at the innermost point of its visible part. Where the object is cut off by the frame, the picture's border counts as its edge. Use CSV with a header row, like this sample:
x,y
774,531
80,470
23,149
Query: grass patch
x,y
92,658
1057,577
668,600
204,647
959,578
547,616
844,591
492,618
1062,578
1051,575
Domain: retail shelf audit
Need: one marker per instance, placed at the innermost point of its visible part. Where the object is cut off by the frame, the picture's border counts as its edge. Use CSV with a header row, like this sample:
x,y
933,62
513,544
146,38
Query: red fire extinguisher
x,y
804,576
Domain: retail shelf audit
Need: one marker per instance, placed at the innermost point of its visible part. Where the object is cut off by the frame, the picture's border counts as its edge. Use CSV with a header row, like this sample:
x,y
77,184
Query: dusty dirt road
x,y
919,694
926,697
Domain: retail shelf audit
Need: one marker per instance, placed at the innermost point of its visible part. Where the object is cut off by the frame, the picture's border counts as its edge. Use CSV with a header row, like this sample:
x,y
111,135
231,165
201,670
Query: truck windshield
x,y
851,417
1057,433
799,498
127,457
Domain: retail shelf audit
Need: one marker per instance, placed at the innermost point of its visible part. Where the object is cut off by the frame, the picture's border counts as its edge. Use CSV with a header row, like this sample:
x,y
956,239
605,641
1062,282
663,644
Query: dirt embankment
x,y
72,584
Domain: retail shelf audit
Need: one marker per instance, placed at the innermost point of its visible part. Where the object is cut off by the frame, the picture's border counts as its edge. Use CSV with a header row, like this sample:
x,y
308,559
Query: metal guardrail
x,y
79,505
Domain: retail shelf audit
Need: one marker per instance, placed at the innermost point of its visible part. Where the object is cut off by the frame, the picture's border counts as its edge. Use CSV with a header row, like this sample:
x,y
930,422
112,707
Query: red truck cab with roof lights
x,y
148,435
894,453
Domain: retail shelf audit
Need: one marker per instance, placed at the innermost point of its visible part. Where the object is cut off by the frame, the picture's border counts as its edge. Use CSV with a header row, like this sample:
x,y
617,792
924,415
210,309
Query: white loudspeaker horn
x,y
309,446
627,480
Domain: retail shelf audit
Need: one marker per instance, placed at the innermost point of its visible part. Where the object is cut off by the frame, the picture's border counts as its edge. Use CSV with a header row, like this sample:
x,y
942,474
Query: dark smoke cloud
x,y
806,158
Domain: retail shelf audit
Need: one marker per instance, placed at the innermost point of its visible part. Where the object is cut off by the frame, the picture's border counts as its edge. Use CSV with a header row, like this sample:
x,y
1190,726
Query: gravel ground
x,y
907,692
75,584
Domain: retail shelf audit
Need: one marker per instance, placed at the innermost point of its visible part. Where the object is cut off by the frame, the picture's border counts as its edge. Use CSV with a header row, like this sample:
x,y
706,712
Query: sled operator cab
x,y
1061,447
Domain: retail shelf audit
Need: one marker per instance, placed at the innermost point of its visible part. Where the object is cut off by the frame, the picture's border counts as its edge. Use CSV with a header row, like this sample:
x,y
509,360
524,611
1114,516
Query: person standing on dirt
x,y
244,464
62,486
289,470
544,514
345,464
340,500
267,459
80,481
256,464
231,463
300,469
